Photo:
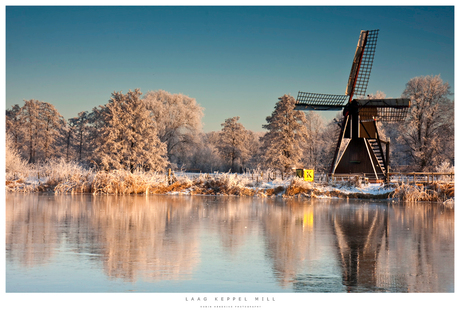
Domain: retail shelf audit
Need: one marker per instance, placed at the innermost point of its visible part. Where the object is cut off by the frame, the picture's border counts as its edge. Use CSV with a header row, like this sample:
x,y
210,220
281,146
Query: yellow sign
x,y
309,175
306,174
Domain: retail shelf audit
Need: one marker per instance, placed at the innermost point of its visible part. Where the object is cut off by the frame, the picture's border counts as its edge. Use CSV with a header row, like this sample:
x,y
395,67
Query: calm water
x,y
215,244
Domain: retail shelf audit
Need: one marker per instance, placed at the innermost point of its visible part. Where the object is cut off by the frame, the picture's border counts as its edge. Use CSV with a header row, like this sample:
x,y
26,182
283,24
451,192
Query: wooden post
x,y
387,161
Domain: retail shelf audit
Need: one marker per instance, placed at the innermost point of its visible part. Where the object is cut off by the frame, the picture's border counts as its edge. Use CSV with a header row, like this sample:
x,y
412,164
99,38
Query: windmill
x,y
363,151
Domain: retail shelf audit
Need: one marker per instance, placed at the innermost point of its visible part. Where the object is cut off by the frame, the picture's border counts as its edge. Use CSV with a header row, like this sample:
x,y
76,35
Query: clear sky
x,y
235,61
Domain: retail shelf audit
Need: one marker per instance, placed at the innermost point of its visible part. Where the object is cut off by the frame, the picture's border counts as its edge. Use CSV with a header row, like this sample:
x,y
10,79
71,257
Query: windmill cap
x,y
396,103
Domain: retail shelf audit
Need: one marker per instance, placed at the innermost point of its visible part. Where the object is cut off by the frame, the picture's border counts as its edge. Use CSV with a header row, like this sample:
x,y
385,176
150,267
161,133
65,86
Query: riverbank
x,y
75,181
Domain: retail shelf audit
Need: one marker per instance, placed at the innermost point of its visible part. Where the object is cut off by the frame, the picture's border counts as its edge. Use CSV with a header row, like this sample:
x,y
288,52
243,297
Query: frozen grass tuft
x,y
298,187
437,192
121,182
15,167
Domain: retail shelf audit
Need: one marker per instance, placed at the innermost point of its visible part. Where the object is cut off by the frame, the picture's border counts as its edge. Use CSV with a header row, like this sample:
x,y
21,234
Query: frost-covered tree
x,y
127,138
330,138
252,161
446,132
234,142
203,155
39,127
13,125
68,137
424,135
177,118
378,95
95,125
30,128
282,144
315,143
80,133
52,126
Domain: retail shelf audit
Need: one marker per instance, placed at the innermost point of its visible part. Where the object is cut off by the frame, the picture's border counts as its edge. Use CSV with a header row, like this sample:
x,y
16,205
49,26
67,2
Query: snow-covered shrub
x,y
445,167
59,175
15,166
298,186
122,182
56,170
438,192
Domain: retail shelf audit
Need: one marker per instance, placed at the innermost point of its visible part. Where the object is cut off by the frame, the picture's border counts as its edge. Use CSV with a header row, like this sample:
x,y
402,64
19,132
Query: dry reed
x,y
69,178
436,192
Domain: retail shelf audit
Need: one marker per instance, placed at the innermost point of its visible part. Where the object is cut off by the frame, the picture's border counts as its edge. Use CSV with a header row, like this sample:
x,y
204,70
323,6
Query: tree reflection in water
x,y
309,245
152,238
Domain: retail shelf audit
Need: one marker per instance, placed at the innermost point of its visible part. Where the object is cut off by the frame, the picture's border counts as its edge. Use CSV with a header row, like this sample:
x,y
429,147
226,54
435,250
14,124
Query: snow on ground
x,y
372,189
255,183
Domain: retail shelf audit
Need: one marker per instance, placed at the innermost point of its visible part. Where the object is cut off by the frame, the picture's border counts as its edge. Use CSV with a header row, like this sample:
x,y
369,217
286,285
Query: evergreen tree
x,y
30,128
69,137
282,144
52,128
80,133
128,137
233,142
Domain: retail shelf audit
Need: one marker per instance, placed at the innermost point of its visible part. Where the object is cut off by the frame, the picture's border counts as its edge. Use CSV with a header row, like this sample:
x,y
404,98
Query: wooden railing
x,y
421,177
402,177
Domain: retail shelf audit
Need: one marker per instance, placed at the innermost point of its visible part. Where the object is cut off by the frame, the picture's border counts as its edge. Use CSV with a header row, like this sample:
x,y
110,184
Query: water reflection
x,y
133,237
152,238
360,235
309,245
232,220
295,234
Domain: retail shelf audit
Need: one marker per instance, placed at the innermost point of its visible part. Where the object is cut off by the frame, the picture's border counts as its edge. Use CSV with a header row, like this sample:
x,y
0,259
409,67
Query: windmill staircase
x,y
379,155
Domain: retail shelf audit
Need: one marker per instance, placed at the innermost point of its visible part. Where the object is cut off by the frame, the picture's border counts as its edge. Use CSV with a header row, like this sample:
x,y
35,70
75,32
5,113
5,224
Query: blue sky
x,y
235,61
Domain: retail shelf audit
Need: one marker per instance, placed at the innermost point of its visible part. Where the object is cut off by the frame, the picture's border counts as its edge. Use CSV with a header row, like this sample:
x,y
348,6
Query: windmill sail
x,y
384,110
362,63
320,102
